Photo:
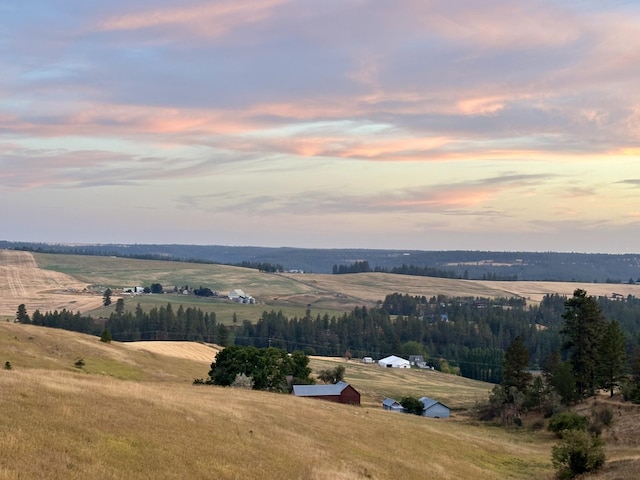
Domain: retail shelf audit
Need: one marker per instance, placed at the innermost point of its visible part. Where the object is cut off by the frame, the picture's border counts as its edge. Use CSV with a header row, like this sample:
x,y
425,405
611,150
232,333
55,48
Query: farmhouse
x,y
434,409
340,392
394,362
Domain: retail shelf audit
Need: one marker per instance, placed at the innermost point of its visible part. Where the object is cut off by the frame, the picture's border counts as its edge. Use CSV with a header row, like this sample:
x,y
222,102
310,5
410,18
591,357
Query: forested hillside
x,y
469,334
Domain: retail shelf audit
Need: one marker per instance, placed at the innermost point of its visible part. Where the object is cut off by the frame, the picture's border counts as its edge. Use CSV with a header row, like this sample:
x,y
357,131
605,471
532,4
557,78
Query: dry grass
x,y
133,413
376,383
62,422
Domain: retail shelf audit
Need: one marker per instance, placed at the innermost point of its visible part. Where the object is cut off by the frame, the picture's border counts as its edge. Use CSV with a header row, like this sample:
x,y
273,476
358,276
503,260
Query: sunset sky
x,y
431,125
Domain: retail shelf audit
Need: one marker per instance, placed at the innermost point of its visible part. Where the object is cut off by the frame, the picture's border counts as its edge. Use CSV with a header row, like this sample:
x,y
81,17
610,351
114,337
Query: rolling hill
x,y
133,413
56,281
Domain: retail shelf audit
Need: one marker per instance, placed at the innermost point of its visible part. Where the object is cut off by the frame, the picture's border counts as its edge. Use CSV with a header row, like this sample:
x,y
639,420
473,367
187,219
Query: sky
x,y
433,125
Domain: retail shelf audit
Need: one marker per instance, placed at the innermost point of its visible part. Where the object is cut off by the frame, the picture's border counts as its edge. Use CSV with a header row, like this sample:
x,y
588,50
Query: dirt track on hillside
x,y
22,281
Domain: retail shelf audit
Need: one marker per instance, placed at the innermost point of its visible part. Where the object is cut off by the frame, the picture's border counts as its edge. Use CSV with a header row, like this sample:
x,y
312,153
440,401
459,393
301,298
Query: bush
x,y
631,392
7,365
199,381
79,363
332,375
106,336
577,453
563,422
243,381
600,418
412,405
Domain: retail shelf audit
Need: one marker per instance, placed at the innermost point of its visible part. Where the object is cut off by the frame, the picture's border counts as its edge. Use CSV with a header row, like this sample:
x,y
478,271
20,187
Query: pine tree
x,y
106,297
613,357
583,329
21,314
515,367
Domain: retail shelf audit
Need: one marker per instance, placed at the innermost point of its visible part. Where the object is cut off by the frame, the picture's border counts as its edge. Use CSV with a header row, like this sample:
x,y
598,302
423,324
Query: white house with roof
x,y
393,361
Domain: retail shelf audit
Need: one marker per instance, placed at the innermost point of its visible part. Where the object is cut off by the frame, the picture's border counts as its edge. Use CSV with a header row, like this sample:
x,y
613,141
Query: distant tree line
x,y
356,267
163,323
421,271
261,266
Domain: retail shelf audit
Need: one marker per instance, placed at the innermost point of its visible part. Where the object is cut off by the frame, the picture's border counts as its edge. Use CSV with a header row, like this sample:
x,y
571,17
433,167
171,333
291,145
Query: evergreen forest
x,y
462,335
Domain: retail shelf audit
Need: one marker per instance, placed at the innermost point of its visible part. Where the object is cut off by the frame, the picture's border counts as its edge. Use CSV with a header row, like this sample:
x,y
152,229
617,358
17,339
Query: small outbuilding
x,y
340,392
393,405
367,360
394,362
434,409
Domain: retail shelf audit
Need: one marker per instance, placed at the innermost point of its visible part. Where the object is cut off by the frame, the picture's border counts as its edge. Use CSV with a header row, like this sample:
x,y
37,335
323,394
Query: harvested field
x,y
372,287
198,352
22,281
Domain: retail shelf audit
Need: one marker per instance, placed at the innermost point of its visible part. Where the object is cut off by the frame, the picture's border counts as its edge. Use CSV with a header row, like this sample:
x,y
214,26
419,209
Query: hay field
x,y
22,281
197,352
61,422
371,287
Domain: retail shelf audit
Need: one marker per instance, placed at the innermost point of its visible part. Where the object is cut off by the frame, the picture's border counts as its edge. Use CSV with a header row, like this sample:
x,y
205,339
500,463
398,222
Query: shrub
x,y
243,381
106,336
412,405
604,415
79,363
577,453
199,381
7,365
562,422
600,418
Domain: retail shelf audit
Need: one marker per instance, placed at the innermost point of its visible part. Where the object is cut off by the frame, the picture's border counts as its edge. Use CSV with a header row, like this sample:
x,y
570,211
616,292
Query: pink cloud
x,y
204,19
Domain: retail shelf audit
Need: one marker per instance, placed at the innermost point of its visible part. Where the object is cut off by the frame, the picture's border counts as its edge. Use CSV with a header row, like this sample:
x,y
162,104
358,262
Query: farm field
x,y
48,282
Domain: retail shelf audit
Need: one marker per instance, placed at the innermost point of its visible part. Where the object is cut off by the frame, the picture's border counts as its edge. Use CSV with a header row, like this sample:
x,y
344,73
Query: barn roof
x,y
319,390
390,402
430,402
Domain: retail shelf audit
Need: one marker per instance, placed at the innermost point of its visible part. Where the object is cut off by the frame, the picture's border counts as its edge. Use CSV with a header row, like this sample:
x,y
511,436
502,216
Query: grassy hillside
x,y
133,413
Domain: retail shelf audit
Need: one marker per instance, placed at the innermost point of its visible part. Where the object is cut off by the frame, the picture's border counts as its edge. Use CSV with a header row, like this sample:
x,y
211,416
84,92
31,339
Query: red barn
x,y
340,392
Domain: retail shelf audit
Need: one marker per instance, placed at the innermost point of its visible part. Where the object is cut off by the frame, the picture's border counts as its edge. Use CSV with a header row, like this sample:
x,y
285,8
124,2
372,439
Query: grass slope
x,y
134,414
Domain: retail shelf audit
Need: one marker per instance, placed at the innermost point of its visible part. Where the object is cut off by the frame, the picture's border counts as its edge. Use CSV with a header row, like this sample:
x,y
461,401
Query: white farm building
x,y
394,362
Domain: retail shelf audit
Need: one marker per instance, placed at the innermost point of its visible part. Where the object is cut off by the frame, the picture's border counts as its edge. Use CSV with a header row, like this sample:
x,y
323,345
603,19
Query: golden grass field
x,y
132,412
48,282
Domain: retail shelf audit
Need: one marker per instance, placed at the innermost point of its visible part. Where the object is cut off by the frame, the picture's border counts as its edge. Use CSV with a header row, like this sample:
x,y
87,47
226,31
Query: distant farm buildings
x,y
432,408
394,362
238,295
340,392
133,290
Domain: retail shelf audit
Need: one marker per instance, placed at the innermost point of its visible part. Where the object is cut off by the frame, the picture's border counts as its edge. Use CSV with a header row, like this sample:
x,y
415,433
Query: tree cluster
x,y
356,267
269,369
